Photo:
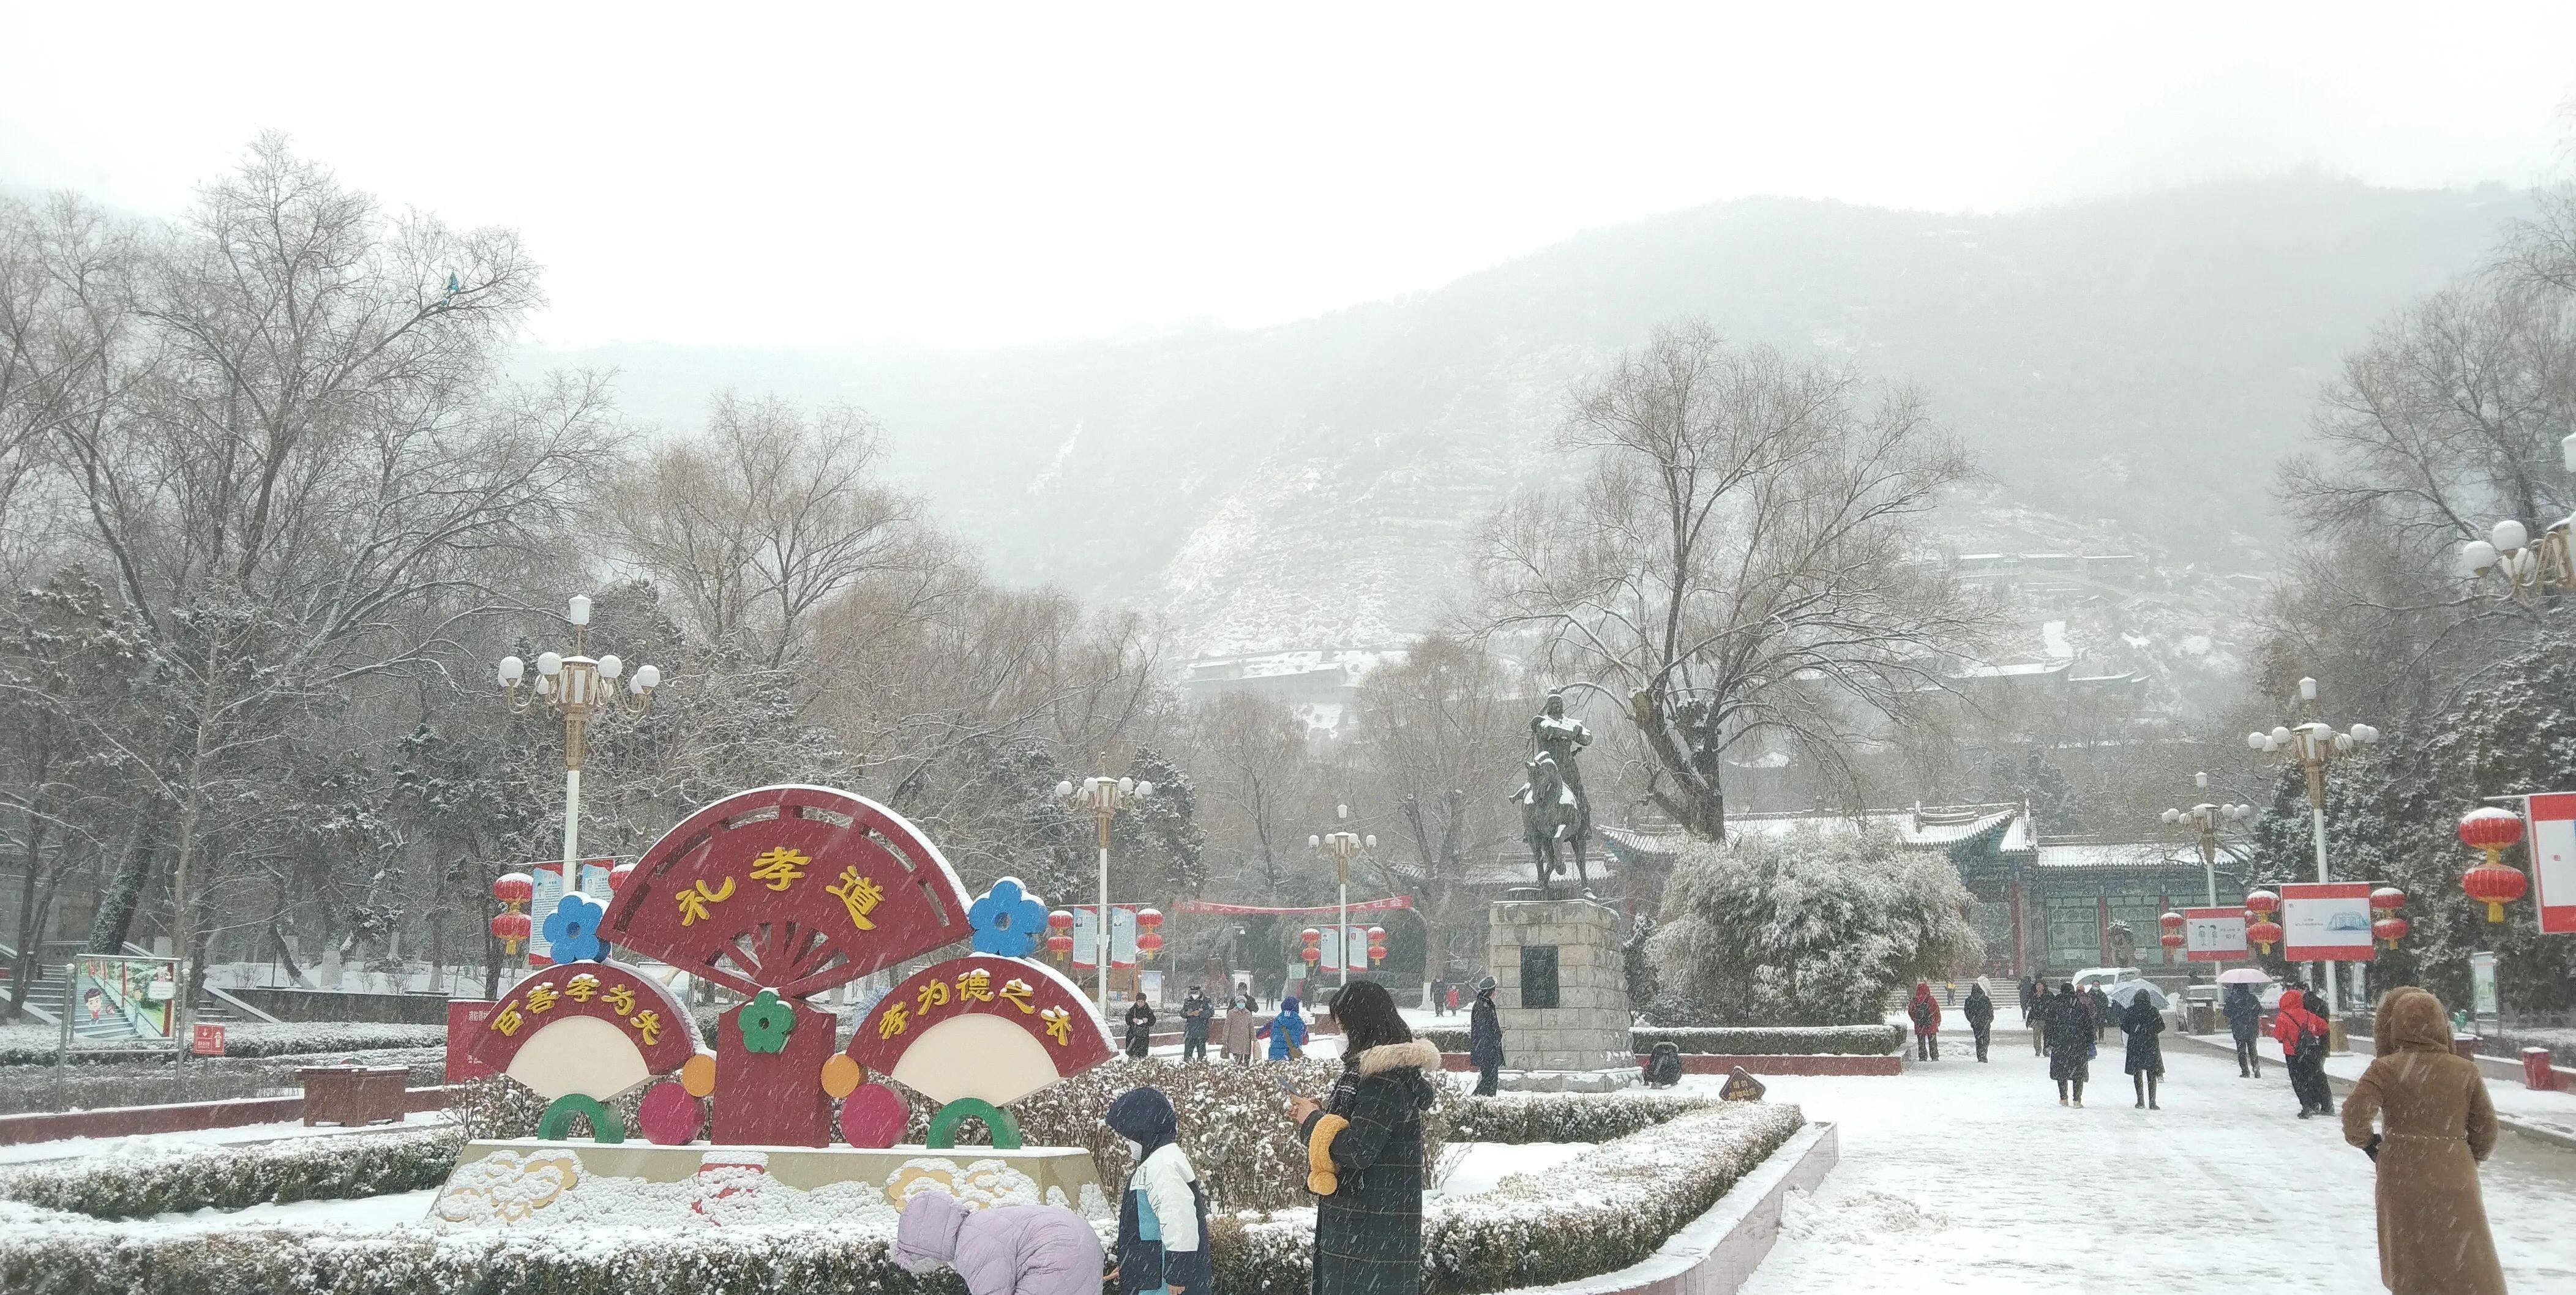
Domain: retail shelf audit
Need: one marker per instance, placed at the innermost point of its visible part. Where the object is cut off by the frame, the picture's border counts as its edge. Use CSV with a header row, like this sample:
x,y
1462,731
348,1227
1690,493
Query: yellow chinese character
x,y
933,994
621,999
648,1024
507,1020
1059,1024
541,996
860,895
890,1024
694,900
582,987
975,986
1016,991
780,867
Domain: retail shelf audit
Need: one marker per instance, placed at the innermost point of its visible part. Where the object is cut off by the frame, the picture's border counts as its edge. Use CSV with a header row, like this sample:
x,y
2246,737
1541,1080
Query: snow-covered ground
x,y
1472,1167
165,1143
1960,1176
365,1214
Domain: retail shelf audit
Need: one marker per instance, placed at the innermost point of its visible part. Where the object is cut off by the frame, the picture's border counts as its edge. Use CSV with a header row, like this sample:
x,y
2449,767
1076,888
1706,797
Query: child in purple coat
x,y
1001,1249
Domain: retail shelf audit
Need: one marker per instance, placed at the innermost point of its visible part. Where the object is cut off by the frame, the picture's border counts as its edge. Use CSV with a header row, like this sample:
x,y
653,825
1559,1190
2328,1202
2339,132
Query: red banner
x,y
1240,910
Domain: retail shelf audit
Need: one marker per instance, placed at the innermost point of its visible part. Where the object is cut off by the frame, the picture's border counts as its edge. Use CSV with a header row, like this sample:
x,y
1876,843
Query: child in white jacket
x,y
1162,1216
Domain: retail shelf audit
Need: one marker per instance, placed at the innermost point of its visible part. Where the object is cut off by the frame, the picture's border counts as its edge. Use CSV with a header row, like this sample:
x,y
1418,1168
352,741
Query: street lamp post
x,y
573,687
2205,818
2312,744
2524,566
1102,797
1343,847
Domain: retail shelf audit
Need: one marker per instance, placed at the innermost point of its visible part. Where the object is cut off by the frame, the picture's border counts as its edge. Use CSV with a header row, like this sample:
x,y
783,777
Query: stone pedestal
x,y
1561,989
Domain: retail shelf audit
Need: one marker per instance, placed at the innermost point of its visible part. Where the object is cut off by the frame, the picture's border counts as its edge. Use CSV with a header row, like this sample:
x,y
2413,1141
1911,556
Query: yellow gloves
x,y
1320,1178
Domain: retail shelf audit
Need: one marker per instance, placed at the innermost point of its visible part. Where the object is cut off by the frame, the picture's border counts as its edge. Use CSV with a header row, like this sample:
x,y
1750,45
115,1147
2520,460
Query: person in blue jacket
x,y
1162,1216
1286,1031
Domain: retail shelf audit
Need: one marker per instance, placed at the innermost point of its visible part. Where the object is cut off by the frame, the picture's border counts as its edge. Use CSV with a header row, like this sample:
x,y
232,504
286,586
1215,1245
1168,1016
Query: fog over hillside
x,y
2136,366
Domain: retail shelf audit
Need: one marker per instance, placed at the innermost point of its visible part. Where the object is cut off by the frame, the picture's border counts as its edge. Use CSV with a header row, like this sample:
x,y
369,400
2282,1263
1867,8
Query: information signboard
x,y
2553,861
2327,921
2214,934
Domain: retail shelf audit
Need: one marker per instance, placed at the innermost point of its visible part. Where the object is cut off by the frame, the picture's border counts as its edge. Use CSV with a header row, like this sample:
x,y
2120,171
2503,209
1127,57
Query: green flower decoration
x,y
765,1021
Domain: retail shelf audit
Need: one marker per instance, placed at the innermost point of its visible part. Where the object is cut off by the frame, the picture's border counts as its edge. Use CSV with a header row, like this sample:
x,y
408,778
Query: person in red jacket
x,y
1926,1015
2302,1036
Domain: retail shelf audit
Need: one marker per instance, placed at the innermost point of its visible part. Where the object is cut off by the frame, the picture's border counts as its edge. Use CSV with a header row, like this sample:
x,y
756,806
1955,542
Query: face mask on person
x,y
1135,1149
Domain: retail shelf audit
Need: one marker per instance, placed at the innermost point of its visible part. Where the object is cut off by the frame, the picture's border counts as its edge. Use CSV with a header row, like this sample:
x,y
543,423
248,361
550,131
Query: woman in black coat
x,y
2070,1040
2146,1061
1364,1151
1485,1039
1140,1028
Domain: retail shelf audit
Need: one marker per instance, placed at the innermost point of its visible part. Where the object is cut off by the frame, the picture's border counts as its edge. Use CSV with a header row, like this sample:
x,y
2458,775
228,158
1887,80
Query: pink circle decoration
x,y
670,1117
872,1117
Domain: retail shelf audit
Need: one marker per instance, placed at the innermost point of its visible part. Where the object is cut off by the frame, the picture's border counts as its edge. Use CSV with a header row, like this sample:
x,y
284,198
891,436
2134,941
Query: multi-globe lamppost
x,y
573,687
2522,565
2204,818
1343,847
1102,797
2311,745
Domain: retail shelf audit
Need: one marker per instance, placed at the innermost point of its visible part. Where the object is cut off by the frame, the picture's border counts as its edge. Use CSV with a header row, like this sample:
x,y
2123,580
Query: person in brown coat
x,y
2436,1125
1240,1020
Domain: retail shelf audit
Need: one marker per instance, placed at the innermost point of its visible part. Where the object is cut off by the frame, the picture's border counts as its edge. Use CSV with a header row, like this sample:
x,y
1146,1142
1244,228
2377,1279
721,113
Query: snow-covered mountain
x,y
2132,367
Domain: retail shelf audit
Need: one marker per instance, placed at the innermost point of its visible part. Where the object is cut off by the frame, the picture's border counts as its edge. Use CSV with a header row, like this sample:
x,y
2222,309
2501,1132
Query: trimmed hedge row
x,y
1565,1117
230,1178
34,1046
1735,1040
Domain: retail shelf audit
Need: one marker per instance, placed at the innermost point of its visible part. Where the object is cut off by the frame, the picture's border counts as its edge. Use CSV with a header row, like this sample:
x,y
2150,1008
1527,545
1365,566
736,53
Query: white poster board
x,y
1356,940
2213,934
2327,921
1122,935
2553,861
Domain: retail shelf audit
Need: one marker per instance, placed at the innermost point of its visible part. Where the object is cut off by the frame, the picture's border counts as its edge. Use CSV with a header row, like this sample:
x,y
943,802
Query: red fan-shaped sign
x,y
981,1026
790,888
597,1028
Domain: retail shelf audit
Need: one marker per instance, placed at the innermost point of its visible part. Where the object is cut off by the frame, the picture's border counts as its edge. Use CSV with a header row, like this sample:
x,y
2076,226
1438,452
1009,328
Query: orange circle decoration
x,y
842,1076
698,1074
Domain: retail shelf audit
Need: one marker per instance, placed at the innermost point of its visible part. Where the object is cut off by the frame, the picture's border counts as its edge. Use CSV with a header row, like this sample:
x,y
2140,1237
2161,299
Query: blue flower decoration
x,y
1008,920
572,930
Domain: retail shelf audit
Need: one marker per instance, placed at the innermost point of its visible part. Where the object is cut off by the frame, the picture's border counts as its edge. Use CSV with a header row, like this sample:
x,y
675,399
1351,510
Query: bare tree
x,y
1738,566
1441,734
1256,772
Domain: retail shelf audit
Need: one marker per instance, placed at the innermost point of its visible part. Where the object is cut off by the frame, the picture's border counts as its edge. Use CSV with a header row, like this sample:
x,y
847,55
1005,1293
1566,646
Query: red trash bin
x,y
2535,1070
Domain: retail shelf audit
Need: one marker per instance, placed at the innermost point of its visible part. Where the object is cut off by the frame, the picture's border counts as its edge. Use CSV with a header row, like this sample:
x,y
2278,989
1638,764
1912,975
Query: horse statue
x,y
1552,821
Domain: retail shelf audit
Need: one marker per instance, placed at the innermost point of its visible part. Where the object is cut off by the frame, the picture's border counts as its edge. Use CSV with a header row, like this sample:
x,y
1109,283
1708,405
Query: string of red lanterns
x,y
2492,883
510,926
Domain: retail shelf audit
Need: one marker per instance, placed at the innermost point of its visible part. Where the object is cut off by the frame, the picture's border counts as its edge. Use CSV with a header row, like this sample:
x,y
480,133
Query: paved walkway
x,y
1960,1176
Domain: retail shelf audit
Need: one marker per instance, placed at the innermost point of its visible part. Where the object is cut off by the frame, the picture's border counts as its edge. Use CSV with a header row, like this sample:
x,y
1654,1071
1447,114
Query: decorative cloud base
x,y
535,1183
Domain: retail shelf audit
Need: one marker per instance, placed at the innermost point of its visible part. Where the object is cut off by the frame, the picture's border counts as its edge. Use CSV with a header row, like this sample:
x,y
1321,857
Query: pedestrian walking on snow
x,y
2146,1060
1286,1032
1162,1216
1453,1000
1140,1027
2034,1000
1980,1012
2302,1035
2101,1006
1364,1151
1485,1039
1197,1013
1241,1019
2436,1126
1926,1015
2069,1022
2245,1021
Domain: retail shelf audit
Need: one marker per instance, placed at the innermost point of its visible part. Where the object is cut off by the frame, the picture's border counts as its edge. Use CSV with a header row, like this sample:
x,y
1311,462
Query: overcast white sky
x,y
992,173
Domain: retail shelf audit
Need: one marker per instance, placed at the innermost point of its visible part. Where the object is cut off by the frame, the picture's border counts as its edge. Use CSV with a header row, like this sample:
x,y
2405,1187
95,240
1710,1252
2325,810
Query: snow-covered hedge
x,y
80,1257
1599,1213
1735,1040
152,1181
34,1045
1566,1117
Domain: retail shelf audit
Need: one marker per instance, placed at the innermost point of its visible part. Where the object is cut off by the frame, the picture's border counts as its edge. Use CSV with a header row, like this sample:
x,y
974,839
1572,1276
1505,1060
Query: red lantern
x,y
2388,899
1149,918
2172,939
514,887
2490,829
510,928
2390,930
1147,942
1377,935
1059,945
2264,934
1311,953
1310,935
617,877
1060,920
2262,903
2494,884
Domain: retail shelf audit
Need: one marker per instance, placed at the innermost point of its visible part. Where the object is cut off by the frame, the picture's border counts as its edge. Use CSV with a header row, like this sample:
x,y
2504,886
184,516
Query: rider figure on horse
x,y
1561,739
1556,815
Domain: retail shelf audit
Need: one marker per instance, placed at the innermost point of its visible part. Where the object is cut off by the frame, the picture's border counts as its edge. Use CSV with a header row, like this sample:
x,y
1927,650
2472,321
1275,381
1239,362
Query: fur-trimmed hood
x,y
1417,1053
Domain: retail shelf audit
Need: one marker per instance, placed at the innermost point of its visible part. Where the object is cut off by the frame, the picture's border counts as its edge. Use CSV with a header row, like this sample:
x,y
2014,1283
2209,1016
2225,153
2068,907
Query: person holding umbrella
x,y
2244,1018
